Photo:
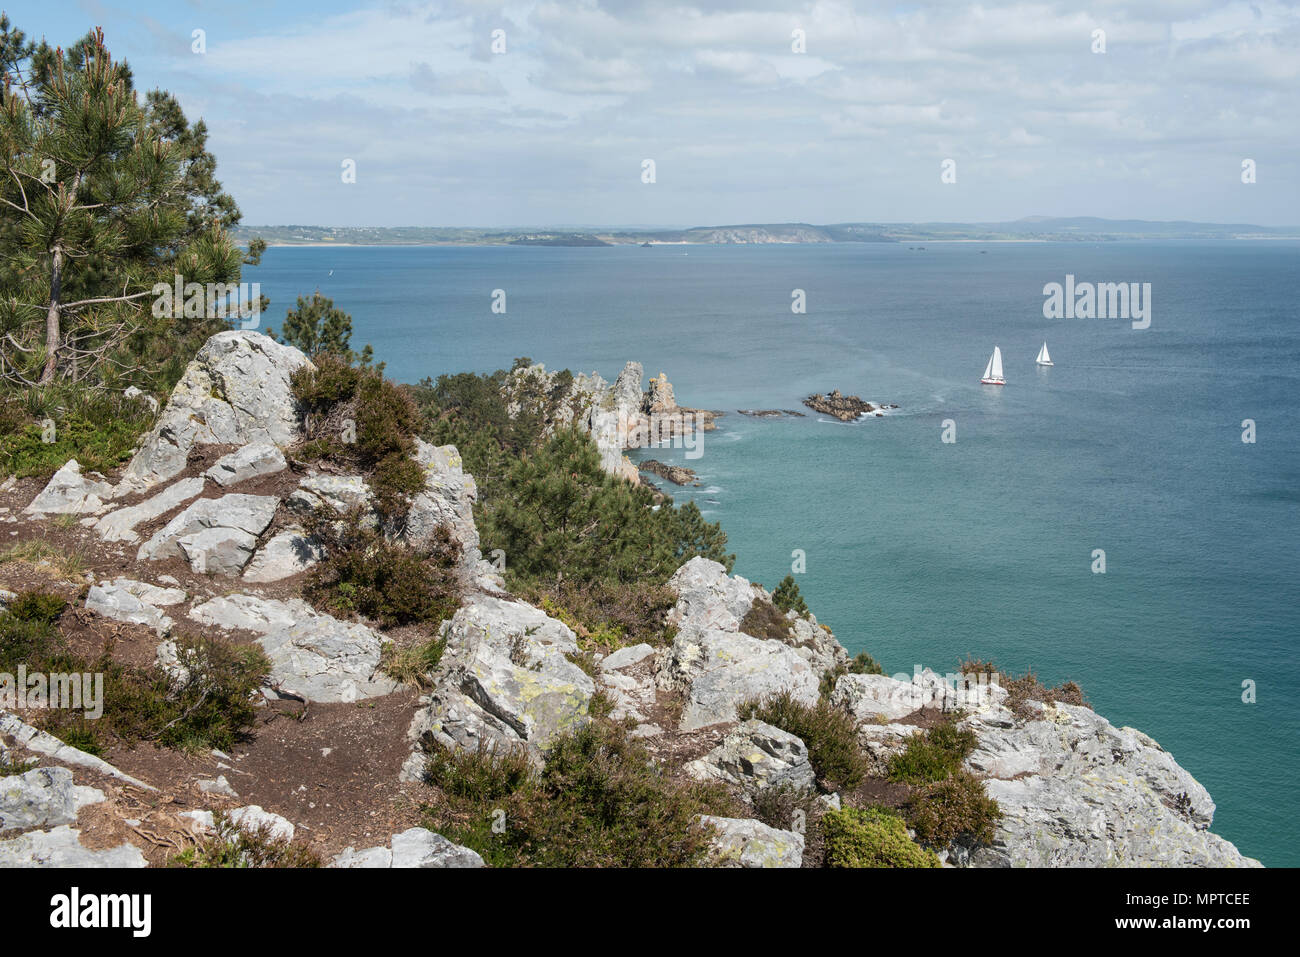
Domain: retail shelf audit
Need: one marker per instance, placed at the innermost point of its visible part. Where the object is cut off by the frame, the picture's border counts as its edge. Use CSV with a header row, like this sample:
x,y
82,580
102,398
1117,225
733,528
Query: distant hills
x,y
1033,228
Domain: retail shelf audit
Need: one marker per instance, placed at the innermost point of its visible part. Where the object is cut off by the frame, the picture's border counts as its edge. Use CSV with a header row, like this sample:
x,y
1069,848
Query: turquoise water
x,y
922,552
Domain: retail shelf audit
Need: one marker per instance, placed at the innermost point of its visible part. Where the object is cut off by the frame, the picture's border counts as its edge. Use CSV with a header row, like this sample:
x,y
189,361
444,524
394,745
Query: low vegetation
x,y
42,428
871,837
932,755
1026,688
232,846
829,733
363,573
787,598
765,621
608,615
361,421
599,800
954,809
207,703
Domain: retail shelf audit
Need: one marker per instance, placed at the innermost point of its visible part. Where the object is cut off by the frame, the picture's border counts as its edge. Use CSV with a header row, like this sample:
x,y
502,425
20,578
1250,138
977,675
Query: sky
x,y
752,111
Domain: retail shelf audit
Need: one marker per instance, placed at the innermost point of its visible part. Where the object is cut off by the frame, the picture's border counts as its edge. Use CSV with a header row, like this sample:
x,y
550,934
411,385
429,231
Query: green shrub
x,y
608,615
384,419
363,573
38,607
234,846
871,837
932,755
213,695
952,809
787,597
486,774
829,733
559,516
599,801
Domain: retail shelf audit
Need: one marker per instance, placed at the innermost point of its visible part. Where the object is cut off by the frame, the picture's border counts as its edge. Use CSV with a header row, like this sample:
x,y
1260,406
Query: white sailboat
x,y
993,371
1043,358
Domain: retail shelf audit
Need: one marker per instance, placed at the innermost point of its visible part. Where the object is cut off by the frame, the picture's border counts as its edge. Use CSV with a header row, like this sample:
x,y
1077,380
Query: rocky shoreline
x,y
203,533
677,474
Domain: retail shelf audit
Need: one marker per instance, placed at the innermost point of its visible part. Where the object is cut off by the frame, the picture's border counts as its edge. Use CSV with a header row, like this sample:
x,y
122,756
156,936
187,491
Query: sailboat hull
x,y
993,381
1042,363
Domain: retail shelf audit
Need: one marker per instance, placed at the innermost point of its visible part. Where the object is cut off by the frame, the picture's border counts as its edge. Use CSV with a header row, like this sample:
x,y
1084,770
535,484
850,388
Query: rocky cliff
x,y
204,533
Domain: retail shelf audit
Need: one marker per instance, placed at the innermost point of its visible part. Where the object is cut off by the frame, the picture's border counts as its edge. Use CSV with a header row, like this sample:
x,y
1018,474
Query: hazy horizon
x,y
753,111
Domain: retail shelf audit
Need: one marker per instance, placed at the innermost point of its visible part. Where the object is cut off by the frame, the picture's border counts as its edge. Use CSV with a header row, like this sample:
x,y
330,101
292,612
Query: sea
x,y
1128,518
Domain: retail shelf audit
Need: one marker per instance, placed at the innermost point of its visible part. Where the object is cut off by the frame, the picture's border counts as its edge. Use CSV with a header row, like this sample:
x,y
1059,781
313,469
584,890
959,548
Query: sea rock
x,y
287,553
1075,791
236,391
119,526
71,493
659,397
61,847
756,756
250,461
846,408
627,388
214,535
504,679
677,474
718,670
740,842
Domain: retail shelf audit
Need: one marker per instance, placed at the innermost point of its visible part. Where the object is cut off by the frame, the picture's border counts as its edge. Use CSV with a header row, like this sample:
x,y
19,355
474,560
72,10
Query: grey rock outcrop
x,y
448,499
119,526
288,552
41,798
741,842
1075,791
417,847
61,847
711,661
504,680
756,756
214,535
312,654
137,603
251,461
69,492
236,391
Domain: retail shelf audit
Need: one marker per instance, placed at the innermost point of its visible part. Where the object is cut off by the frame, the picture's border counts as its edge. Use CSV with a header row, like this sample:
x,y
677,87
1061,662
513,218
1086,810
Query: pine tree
x,y
316,326
787,597
101,198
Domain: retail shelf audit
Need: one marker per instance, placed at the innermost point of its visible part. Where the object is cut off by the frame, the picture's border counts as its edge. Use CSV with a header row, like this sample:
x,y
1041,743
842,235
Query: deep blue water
x,y
922,552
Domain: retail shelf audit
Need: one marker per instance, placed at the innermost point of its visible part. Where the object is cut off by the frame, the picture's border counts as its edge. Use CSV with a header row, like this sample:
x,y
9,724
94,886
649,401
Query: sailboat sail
x,y
993,371
1043,358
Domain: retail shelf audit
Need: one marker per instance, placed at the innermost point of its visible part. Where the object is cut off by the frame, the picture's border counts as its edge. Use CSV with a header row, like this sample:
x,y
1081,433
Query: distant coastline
x,y
1031,230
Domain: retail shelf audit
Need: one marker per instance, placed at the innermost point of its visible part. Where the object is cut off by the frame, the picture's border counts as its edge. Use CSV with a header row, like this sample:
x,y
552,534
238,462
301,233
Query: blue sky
x,y
446,132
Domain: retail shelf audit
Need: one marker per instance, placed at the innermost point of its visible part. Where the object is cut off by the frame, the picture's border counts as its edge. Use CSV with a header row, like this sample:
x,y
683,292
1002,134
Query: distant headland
x,y
1030,229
